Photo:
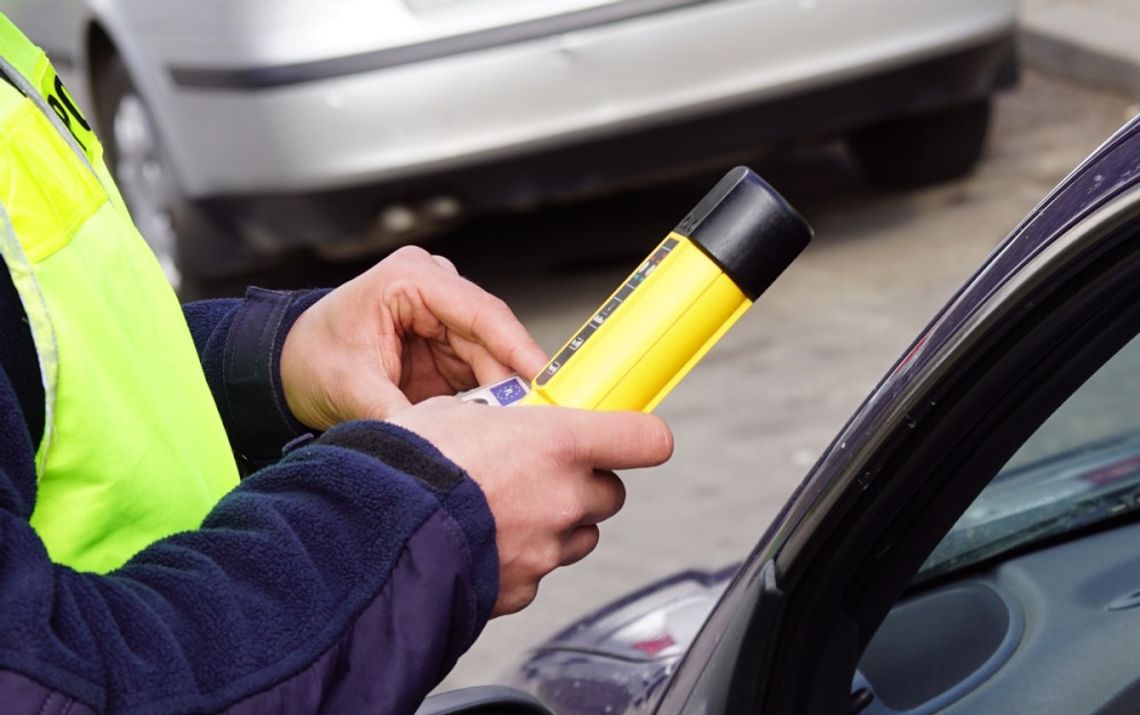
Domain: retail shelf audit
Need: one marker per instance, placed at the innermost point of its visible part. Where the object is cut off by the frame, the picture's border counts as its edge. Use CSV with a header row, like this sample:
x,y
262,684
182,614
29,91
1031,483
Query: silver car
x,y
240,129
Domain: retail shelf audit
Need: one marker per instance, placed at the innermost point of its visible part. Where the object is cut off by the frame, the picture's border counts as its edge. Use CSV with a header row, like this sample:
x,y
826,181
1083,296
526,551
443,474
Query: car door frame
x,y
789,631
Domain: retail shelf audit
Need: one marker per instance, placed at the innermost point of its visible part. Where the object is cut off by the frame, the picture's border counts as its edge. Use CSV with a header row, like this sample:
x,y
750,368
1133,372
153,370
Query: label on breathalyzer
x,y
603,314
500,394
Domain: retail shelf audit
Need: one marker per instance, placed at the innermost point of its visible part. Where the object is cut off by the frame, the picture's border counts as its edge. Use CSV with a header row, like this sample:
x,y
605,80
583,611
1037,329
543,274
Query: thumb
x,y
380,400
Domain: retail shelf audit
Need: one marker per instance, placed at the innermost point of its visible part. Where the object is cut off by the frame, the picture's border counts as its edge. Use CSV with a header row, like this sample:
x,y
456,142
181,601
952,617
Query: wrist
x,y
254,389
293,364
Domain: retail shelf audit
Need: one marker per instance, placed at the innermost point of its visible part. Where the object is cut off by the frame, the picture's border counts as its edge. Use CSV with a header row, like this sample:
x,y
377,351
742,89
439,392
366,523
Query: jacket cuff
x,y
258,414
459,494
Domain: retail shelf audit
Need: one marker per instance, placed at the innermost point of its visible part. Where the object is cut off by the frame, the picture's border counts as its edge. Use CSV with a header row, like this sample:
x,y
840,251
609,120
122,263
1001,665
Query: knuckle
x,y
413,253
569,510
445,262
590,536
521,597
582,544
491,312
546,560
503,311
496,304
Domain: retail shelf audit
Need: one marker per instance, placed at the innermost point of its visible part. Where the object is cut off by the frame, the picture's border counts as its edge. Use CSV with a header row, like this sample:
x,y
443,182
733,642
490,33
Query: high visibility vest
x,y
133,447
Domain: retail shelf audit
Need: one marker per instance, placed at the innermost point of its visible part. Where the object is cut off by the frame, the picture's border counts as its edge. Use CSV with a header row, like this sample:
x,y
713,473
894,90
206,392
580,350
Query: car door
x,y
1056,300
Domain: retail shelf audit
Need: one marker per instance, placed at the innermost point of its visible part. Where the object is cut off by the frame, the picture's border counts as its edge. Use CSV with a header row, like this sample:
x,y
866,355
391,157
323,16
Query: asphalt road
x,y
756,414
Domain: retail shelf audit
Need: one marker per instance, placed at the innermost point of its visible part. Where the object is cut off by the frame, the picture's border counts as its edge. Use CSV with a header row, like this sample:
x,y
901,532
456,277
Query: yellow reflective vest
x,y
133,448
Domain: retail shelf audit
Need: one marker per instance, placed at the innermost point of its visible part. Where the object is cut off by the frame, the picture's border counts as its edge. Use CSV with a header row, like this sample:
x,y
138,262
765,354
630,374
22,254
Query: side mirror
x,y
484,700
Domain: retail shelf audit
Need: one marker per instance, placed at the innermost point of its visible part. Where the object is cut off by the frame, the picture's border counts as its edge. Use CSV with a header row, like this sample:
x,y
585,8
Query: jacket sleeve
x,y
346,578
239,342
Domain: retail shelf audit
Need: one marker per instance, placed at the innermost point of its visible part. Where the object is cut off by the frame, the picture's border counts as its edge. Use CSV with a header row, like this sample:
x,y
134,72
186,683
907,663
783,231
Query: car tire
x,y
193,250
923,149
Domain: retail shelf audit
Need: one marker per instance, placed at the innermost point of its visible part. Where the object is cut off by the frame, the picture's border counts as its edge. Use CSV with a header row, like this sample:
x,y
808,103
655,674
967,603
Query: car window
x,y
1105,407
1082,465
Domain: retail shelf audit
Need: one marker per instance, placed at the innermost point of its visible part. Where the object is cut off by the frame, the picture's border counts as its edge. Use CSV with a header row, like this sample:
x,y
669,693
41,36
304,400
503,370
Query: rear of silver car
x,y
282,100
362,122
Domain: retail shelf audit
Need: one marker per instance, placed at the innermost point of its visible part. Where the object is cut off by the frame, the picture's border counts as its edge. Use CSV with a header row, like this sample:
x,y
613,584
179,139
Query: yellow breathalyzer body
x,y
647,336
670,311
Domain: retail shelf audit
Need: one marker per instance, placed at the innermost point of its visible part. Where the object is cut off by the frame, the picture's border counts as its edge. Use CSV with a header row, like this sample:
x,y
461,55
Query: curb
x,y
1082,41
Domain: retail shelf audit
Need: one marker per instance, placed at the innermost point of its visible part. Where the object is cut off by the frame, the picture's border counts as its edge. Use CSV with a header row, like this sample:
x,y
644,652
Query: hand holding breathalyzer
x,y
546,473
412,328
408,329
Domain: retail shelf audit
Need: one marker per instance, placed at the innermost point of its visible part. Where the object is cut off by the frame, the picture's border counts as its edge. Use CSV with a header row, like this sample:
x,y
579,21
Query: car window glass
x,y
1105,407
1081,466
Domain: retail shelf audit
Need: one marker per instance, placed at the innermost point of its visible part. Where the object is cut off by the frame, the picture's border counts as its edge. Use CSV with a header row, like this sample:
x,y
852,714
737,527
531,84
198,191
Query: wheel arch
x,y
106,33
98,49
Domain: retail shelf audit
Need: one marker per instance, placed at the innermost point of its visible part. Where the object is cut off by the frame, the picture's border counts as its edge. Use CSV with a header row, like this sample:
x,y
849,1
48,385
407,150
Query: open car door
x,y
1048,309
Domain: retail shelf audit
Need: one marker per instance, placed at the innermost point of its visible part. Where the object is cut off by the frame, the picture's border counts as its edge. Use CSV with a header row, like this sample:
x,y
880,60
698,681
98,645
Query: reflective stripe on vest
x,y
133,447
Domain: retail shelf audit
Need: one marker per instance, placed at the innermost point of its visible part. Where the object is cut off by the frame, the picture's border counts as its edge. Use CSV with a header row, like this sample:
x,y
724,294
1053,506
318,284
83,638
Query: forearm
x,y
330,562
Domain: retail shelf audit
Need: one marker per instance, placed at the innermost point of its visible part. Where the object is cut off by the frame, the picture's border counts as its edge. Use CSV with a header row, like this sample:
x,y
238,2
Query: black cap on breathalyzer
x,y
748,229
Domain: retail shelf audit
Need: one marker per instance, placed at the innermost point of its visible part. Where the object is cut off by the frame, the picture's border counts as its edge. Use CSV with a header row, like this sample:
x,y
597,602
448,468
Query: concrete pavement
x,y
1089,41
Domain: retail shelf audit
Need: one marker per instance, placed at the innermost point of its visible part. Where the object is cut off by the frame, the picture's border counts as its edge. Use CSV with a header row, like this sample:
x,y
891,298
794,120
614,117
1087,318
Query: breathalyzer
x,y
669,312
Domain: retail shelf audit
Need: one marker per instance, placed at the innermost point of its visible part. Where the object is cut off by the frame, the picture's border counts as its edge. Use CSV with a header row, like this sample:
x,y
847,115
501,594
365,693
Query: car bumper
x,y
300,218
495,104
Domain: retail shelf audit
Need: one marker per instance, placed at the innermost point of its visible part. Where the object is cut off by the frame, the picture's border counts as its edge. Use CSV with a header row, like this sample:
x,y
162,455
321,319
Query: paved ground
x,y
756,414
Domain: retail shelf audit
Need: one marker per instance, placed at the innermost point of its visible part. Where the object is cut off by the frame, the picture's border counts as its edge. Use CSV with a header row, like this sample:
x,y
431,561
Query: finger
x,y
480,362
431,371
602,497
607,440
472,313
462,364
579,543
462,361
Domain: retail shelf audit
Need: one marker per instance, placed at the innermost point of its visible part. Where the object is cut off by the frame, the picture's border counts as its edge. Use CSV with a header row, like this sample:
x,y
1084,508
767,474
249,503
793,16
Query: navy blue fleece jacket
x,y
345,577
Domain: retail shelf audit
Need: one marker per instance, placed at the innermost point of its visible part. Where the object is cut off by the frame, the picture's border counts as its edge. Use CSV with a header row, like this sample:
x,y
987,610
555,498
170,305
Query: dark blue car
x,y
969,543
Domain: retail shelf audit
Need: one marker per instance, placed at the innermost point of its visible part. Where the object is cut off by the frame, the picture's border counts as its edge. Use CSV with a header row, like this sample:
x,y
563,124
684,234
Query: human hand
x,y
408,329
545,472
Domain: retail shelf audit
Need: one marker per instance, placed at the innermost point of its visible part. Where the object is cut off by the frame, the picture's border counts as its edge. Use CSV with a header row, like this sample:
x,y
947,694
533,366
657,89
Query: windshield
x,y
1081,466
